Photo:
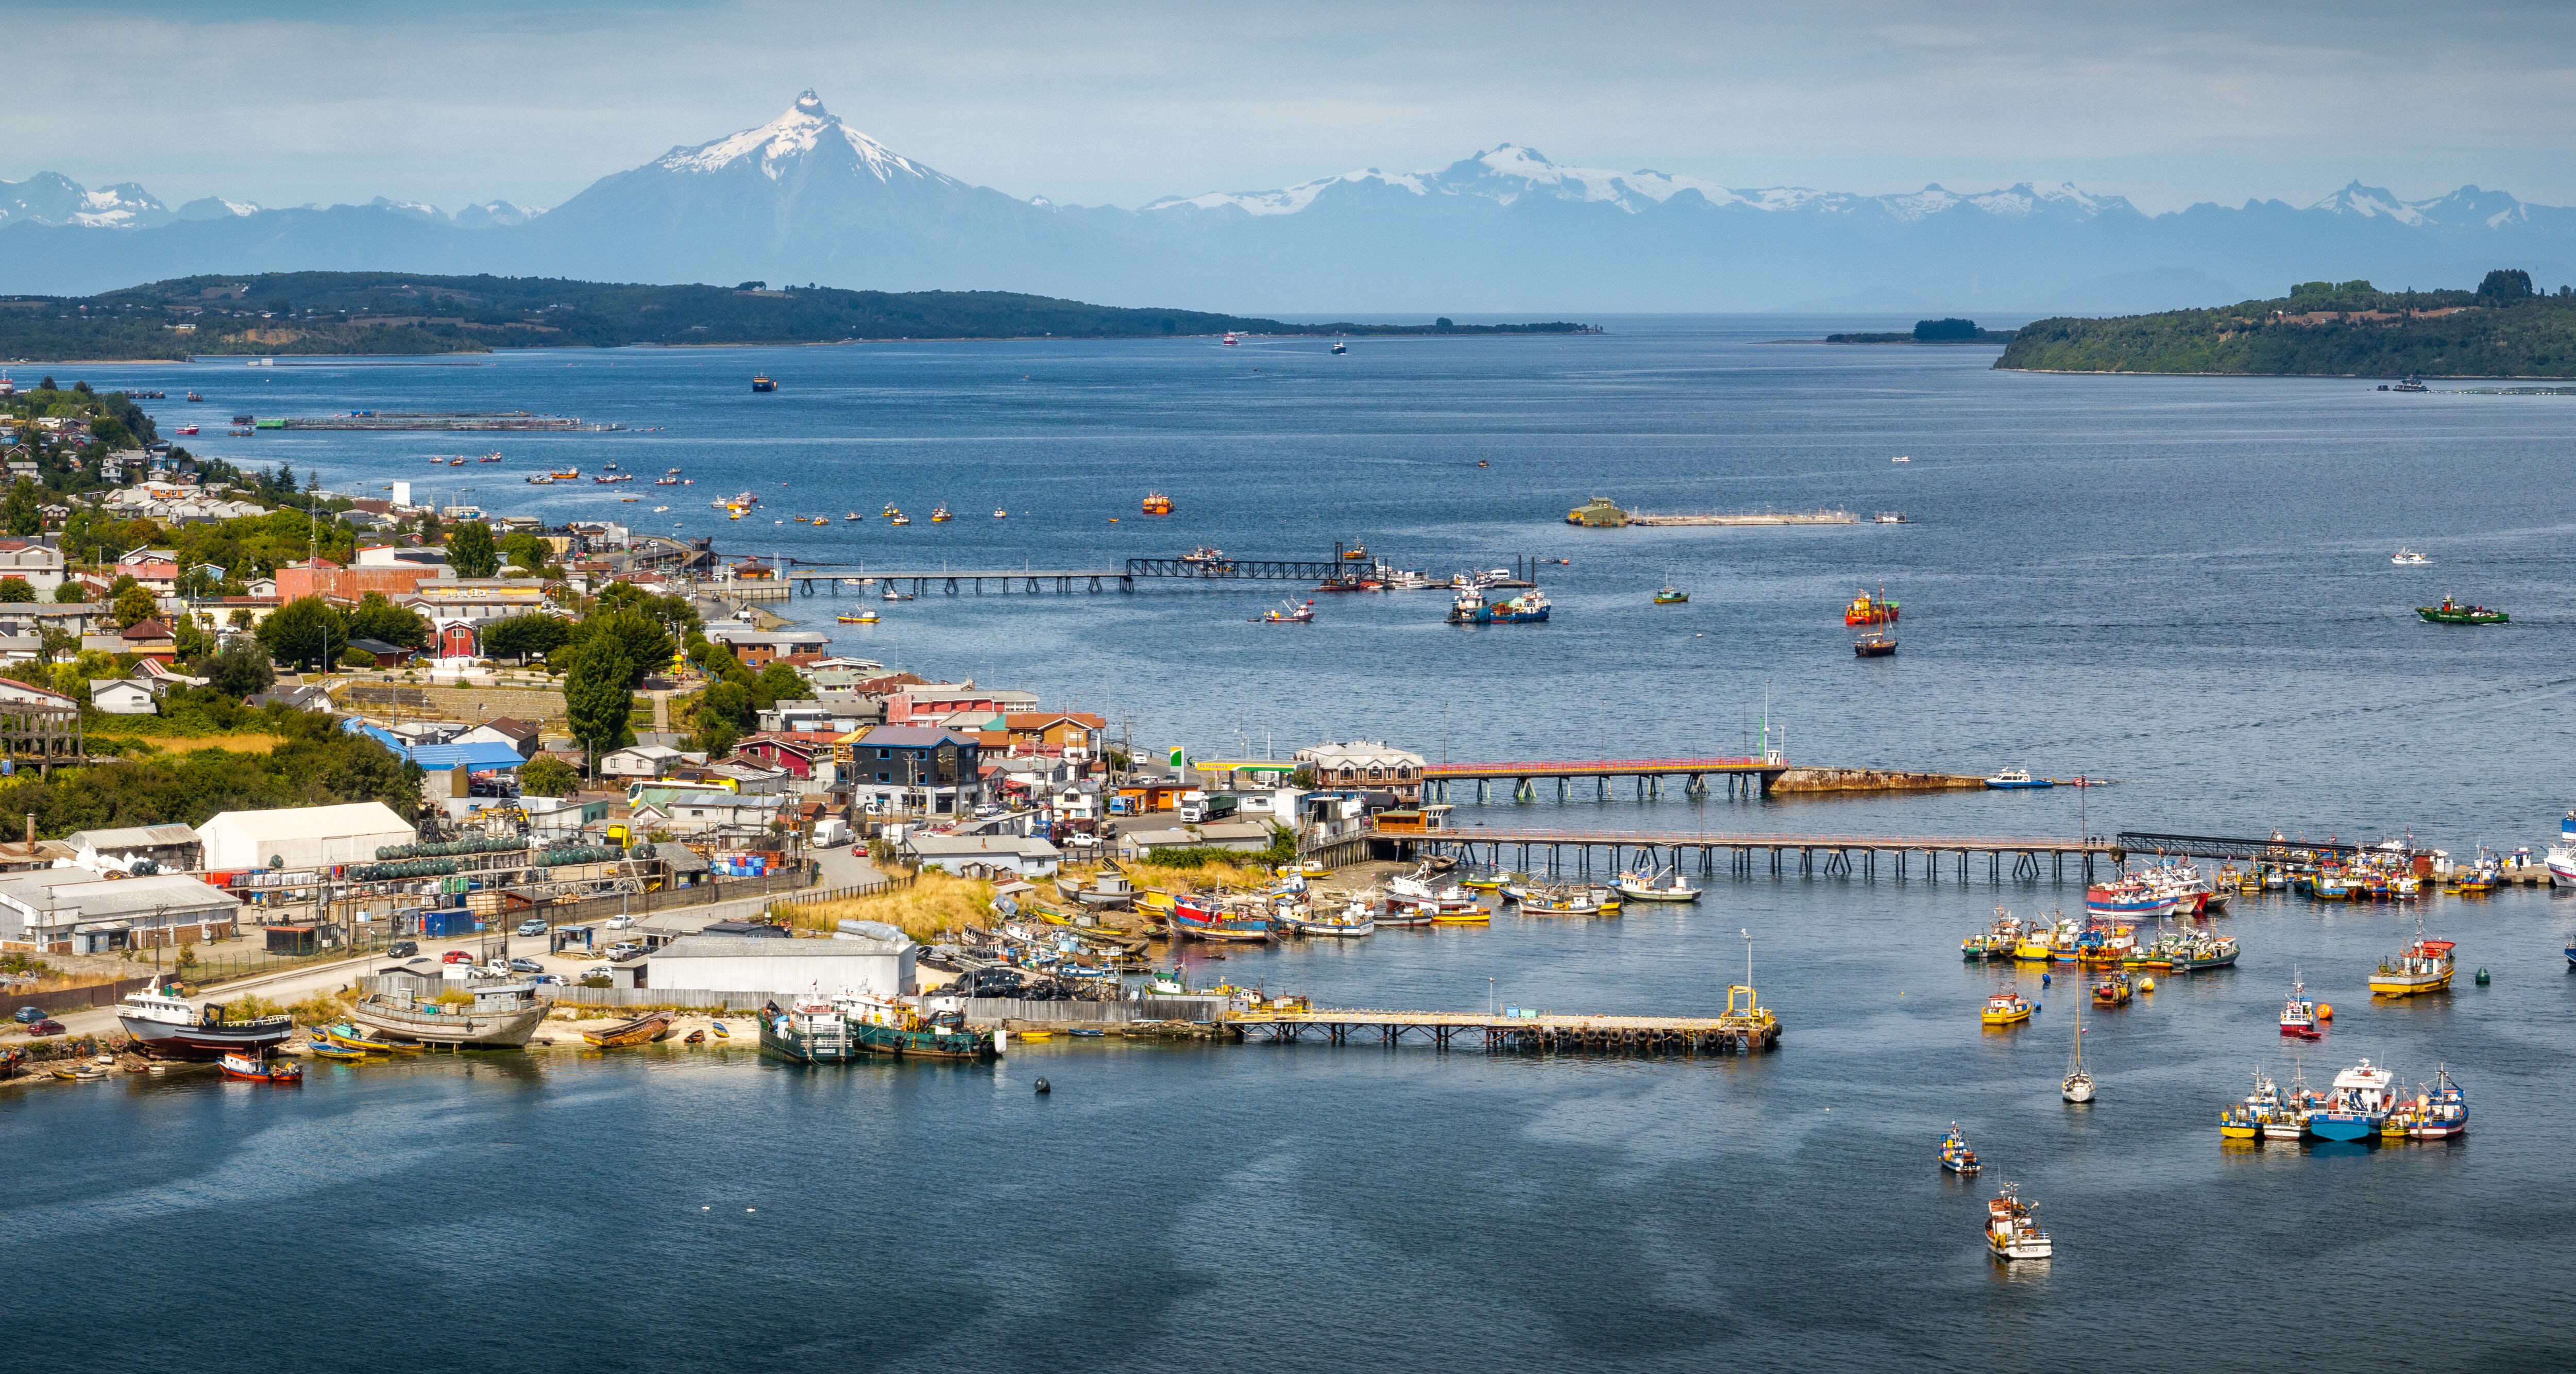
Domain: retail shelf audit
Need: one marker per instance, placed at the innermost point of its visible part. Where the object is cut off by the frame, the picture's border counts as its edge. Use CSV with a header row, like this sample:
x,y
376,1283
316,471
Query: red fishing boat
x,y
1199,917
1870,610
262,1070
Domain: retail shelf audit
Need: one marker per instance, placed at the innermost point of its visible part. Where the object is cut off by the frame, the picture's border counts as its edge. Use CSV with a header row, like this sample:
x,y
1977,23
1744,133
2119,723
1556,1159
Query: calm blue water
x,y
2178,583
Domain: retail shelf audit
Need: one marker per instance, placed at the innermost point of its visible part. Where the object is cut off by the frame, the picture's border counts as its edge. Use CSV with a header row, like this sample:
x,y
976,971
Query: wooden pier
x,y
1545,1033
1750,776
2018,858
1064,581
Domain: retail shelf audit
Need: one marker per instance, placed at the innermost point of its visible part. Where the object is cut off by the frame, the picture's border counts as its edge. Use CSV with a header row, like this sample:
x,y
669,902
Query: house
x,y
156,569
871,965
802,754
1074,734
983,856
638,761
333,582
123,697
397,556
36,617
477,598
387,655
518,734
303,836
170,846
694,811
37,561
77,911
150,637
1244,837
757,649
1361,763
311,696
913,770
937,701
749,779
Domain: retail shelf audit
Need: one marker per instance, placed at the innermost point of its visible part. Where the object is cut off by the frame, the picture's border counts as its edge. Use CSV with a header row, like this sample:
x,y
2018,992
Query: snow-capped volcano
x,y
807,129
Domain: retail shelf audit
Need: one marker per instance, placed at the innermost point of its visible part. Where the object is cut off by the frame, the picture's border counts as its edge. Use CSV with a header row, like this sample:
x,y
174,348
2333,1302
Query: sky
x,y
1116,101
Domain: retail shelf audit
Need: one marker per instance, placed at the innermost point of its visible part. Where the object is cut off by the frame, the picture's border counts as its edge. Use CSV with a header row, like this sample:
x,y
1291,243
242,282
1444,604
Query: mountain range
x,y
808,198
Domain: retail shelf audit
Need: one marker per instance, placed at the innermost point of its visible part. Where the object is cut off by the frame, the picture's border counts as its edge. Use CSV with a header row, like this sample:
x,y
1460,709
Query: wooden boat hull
x,y
485,1030
162,1040
643,1030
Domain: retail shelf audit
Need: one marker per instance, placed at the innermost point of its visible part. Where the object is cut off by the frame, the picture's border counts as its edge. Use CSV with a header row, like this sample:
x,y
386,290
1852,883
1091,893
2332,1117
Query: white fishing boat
x,y
2408,558
1651,885
2012,1228
1350,922
2562,855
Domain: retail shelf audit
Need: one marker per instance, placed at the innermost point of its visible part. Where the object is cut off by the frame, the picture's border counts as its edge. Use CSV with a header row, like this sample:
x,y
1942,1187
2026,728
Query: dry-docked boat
x,y
1200,917
502,1016
167,1027
643,1030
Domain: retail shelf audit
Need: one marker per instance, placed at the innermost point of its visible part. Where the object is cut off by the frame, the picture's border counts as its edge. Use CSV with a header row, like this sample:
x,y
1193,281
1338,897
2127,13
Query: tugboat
x,y
2299,1012
2006,1009
2423,966
2451,612
1868,610
2012,1228
2444,1112
1955,1154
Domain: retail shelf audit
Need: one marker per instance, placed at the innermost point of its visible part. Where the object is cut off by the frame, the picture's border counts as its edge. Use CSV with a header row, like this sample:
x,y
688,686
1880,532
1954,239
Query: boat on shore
x,y
501,1016
1197,917
166,1027
643,1030
2012,1228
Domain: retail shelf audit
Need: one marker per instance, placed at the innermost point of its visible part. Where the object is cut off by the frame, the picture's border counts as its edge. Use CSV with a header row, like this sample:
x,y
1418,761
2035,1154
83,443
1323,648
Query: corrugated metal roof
x,y
479,754
313,822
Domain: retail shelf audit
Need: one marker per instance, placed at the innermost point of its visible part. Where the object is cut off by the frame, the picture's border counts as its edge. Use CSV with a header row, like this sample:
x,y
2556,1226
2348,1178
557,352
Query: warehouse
x,y
846,965
303,836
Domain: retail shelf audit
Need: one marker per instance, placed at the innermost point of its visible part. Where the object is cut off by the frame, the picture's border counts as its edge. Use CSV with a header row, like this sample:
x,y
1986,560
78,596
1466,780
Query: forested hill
x,y
384,312
2326,329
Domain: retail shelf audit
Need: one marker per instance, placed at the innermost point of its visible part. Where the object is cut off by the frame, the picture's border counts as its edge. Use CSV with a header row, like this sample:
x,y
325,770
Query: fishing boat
x,y
2355,1107
939,515
1157,503
2114,990
2197,952
900,519
899,1030
1870,610
2423,966
2012,1228
2562,855
2453,613
862,618
1878,643
643,1030
2442,1113
763,384
1560,901
893,595
1647,885
2248,1119
2077,1085
2408,558
813,1031
2127,897
1000,514
1999,941
2016,779
1198,917
502,1016
167,1027
1350,922
188,431
1956,1156
1471,608
1484,882
258,1067
194,396
2006,1009
1671,596
1288,613
2299,1011
2289,1119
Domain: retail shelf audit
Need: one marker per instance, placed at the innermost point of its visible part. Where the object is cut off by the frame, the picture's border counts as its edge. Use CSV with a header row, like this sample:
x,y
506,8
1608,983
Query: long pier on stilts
x,y
1738,1032
1995,858
1749,776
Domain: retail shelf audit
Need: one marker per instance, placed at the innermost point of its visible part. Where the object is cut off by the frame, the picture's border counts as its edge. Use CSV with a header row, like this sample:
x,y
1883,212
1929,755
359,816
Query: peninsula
x,y
2325,329
343,313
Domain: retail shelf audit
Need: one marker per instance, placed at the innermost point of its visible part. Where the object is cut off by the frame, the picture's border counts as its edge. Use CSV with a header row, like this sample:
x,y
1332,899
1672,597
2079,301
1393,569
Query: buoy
x,y
2324,1012
2482,977
2146,985
1043,1088
2043,980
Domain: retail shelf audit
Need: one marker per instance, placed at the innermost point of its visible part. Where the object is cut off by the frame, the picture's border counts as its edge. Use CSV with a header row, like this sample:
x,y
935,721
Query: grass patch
x,y
157,742
935,902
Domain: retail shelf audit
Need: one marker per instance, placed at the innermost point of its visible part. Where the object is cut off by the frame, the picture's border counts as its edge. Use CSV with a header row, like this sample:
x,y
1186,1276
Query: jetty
x,y
2019,858
807,577
1749,774
1743,1028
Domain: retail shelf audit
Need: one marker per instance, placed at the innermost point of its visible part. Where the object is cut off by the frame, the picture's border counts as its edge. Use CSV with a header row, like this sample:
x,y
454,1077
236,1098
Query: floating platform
x,y
1600,513
472,422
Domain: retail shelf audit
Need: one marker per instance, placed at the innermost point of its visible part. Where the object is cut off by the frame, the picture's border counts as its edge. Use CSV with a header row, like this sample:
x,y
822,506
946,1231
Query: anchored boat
x,y
1955,1154
1471,608
2016,779
1870,610
1648,886
2006,1009
2012,1228
2356,1107
2299,1011
2453,613
2077,1086
2442,1113
2423,966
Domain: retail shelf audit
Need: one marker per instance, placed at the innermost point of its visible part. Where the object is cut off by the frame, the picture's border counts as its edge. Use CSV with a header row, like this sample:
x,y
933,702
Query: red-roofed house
x,y
151,637
803,753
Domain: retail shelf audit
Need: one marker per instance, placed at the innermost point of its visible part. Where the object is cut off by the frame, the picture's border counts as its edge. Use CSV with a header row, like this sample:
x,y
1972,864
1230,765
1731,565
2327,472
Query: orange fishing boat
x,y
1868,610
1157,503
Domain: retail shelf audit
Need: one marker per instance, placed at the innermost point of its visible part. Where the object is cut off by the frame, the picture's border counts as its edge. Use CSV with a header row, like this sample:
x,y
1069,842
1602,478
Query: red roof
x,y
150,627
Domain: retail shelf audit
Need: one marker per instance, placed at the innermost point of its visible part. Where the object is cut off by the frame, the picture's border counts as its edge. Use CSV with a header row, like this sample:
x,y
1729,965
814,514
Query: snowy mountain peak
x,y
2369,202
806,130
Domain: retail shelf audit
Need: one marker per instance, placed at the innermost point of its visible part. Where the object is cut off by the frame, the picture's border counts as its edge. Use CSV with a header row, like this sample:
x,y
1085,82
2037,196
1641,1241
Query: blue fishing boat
x,y
2357,1106
2443,1113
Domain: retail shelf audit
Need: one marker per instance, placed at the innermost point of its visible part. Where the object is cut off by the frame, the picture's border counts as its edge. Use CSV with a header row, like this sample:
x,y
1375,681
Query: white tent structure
x,y
303,836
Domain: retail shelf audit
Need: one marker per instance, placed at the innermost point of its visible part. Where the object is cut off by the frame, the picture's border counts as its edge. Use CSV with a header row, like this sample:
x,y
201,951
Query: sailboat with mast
x,y
2077,1086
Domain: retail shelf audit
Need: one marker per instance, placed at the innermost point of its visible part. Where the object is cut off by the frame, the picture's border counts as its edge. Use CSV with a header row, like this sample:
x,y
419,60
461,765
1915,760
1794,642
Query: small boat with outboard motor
x,y
1956,1156
2451,612
2012,1228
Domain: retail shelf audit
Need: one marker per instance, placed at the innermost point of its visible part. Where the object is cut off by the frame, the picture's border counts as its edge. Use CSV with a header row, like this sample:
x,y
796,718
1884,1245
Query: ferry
x,y
1868,610
1955,1154
1288,613
2423,966
2408,558
1157,503
2357,1105
1471,608
763,384
2442,1113
2012,779
2451,612
2299,1012
2012,1228
2006,1009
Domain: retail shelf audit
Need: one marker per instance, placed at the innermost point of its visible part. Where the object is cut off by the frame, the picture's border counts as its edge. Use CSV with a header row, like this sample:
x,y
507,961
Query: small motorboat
x,y
1671,596
853,518
892,595
900,519
2408,558
2016,779
2451,612
1288,613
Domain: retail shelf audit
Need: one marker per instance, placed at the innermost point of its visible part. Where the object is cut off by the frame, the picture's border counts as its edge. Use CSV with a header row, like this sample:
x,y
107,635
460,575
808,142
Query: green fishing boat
x,y
2453,613
1671,596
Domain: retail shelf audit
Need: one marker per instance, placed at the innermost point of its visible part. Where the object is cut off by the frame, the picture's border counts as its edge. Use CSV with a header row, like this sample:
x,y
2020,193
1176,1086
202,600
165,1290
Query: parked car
x,y
624,949
526,966
620,923
496,969
556,980
30,1015
532,926
403,949
457,956
48,1026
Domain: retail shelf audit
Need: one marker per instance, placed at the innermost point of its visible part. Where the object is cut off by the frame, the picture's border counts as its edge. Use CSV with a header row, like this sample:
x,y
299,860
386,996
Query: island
x,y
1950,331
342,313
2326,329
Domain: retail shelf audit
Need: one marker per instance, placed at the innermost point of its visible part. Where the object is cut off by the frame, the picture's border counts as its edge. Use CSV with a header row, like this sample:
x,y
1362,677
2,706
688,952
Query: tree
x,y
133,606
16,589
70,593
548,776
470,552
240,670
726,702
527,552
777,683
2502,284
597,697
378,618
640,642
22,512
305,630
523,636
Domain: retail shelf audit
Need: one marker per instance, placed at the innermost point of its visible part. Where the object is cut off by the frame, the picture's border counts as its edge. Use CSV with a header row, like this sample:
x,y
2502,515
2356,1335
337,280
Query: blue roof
x,y
475,757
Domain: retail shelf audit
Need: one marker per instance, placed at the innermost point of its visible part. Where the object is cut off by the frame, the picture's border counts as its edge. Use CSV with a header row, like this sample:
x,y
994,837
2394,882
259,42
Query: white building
x,y
638,761
303,836
844,965
76,911
119,697
1364,764
985,856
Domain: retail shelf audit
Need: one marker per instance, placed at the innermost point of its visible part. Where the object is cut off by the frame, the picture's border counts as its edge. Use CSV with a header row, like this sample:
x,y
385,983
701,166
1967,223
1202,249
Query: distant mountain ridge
x,y
806,197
